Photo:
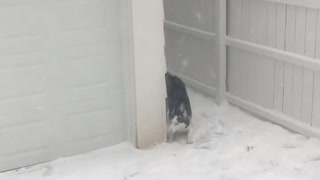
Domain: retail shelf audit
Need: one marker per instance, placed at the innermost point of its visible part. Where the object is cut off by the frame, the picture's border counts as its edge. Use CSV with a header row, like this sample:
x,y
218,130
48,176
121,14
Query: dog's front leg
x,y
190,135
172,129
170,136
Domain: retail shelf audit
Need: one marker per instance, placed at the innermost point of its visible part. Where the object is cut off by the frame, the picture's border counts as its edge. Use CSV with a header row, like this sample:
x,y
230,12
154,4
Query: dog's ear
x,y
168,75
168,80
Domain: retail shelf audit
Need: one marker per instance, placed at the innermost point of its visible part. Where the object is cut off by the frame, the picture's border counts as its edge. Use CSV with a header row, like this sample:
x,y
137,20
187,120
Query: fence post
x,y
222,52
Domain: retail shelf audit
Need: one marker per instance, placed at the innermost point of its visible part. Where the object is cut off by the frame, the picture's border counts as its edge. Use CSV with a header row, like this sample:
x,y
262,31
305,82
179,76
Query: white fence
x,y
266,52
273,61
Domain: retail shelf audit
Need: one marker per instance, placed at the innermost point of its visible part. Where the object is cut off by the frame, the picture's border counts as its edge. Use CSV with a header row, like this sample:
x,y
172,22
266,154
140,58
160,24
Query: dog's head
x,y
168,76
169,79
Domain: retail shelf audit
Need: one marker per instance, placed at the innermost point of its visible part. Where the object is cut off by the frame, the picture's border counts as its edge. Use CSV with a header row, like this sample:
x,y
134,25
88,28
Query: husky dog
x,y
179,111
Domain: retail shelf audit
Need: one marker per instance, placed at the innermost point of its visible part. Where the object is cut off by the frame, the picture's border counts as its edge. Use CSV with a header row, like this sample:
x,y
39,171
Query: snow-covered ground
x,y
229,145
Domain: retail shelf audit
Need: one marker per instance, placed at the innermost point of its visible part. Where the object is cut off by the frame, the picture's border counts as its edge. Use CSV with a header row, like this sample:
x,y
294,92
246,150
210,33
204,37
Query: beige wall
x,y
150,67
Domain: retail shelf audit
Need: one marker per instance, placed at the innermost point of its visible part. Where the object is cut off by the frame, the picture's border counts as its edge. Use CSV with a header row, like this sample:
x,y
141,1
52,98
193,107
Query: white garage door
x,y
61,87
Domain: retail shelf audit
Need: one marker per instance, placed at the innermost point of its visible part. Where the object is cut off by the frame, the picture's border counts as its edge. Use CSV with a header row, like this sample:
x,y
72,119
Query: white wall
x,y
150,67
274,60
61,71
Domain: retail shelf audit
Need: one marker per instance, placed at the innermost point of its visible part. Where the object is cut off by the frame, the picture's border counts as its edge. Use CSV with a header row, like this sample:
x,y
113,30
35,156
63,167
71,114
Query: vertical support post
x,y
222,51
129,71
149,70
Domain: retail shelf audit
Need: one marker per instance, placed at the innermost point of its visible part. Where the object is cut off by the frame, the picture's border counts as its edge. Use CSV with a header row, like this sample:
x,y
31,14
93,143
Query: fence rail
x,y
301,3
189,30
275,54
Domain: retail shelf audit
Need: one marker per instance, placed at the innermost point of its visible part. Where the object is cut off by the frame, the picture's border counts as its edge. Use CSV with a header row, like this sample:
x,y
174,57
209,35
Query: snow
x,y
229,145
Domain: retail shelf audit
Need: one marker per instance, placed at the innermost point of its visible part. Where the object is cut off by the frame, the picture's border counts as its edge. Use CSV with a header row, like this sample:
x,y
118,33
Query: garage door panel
x,y
115,134
87,21
97,75
108,50
25,158
21,104
23,44
13,3
21,81
118,126
91,65
19,138
97,116
89,124
23,20
73,38
89,92
88,105
81,14
23,27
89,144
87,71
100,124
9,62
89,50
23,117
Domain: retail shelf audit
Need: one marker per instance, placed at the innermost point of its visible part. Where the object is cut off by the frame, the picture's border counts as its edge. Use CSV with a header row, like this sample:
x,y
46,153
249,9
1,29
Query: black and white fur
x,y
179,108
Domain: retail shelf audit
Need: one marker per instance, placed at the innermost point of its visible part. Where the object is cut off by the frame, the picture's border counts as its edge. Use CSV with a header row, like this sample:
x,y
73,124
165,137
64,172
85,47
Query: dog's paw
x,y
189,141
169,140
